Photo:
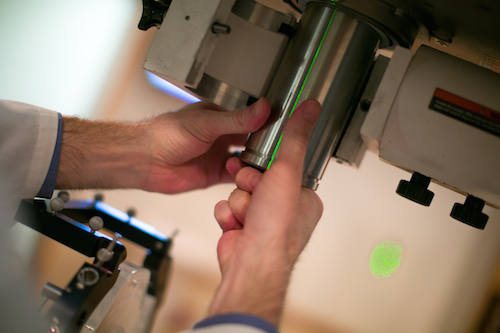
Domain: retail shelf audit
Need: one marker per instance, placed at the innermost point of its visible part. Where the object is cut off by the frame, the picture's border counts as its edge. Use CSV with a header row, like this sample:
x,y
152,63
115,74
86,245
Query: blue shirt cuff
x,y
238,318
49,183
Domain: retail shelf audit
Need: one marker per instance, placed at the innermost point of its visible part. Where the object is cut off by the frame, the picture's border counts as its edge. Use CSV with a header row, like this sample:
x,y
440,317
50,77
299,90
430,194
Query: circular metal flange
x,y
262,16
221,93
395,26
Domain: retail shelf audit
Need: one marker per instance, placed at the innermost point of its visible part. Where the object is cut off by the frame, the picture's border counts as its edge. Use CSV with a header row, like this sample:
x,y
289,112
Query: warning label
x,y
466,111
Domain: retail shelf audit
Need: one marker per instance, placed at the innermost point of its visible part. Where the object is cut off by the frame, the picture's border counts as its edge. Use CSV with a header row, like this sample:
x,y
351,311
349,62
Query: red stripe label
x,y
466,111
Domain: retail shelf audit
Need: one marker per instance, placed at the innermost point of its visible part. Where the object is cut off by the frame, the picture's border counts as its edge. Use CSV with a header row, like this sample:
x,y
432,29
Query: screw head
x,y
104,255
64,195
57,204
96,223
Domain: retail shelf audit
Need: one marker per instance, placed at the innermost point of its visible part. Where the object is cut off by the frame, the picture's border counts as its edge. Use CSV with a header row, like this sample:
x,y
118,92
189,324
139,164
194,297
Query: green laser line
x,y
274,153
304,83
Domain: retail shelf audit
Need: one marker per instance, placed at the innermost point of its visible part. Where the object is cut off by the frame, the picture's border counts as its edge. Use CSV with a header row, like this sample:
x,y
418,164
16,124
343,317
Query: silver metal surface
x,y
261,16
218,28
352,53
245,60
396,26
287,83
51,291
221,93
351,148
127,307
327,60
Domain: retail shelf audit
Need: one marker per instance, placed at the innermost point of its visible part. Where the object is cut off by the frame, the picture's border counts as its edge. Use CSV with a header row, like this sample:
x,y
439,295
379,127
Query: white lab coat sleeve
x,y
28,137
233,323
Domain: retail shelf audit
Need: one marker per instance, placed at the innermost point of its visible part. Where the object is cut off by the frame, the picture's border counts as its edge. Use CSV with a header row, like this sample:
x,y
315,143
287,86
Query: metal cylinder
x,y
327,60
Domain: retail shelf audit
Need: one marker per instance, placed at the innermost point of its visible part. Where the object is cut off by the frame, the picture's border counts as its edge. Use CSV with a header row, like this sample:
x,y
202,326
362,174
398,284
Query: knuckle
x,y
299,137
246,178
240,178
219,212
299,134
238,200
239,119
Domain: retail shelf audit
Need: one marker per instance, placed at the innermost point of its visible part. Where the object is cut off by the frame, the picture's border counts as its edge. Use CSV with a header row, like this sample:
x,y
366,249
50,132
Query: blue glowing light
x,y
111,211
171,89
147,228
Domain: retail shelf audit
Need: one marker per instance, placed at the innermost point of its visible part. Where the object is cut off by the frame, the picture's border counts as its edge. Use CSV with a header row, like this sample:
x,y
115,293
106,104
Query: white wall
x,y
58,54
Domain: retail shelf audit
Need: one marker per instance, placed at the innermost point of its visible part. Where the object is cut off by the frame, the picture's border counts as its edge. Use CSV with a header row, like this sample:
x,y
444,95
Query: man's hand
x,y
267,221
171,153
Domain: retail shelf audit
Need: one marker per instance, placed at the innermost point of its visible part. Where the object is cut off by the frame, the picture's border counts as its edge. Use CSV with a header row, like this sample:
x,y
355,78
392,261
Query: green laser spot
x,y
275,150
304,83
385,259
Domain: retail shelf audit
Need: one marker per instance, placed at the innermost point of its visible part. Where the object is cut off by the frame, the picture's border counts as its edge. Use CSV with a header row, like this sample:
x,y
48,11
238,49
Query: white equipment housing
x,y
439,115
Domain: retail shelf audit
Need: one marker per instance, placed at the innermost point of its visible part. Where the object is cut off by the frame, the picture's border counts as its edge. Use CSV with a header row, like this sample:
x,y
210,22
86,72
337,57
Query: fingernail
x,y
257,109
311,112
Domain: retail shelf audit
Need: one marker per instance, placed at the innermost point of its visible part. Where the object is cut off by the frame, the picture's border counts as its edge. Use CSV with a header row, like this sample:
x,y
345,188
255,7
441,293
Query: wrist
x,y
253,283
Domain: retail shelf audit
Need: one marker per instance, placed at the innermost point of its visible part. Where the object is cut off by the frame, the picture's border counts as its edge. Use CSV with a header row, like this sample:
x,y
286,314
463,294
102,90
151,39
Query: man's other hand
x,y
266,222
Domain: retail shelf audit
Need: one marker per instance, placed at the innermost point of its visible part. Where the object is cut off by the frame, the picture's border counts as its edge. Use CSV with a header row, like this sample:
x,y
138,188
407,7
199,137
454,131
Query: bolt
x,y
96,223
116,237
105,254
219,28
64,195
175,233
56,204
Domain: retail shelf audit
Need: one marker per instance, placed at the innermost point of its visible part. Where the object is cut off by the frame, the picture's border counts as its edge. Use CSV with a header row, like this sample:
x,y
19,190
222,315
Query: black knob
x,y
416,189
153,12
470,212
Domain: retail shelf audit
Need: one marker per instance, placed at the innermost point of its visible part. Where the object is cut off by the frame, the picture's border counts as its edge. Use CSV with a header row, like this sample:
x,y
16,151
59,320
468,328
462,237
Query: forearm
x,y
102,155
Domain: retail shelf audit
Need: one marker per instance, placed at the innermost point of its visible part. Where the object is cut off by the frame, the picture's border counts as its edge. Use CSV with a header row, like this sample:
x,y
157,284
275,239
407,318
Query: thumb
x,y
248,120
296,136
